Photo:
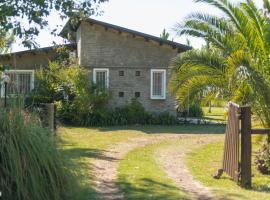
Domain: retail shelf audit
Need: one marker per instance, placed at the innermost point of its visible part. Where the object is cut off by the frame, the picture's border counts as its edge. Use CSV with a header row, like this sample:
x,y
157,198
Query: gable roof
x,y
73,27
70,46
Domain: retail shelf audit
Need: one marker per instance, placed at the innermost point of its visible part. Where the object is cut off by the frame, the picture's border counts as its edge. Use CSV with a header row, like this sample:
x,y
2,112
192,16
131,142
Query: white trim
x,y
32,81
163,96
101,70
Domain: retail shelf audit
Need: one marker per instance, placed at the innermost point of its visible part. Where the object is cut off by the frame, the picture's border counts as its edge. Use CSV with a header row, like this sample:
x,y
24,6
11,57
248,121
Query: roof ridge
x,y
120,28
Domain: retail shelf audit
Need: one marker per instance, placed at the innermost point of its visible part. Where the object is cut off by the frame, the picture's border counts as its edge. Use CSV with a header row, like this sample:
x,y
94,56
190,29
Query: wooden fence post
x,y
50,114
246,147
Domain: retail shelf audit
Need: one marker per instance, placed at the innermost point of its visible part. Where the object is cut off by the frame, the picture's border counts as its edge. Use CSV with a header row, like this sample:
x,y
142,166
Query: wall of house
x,y
27,60
106,48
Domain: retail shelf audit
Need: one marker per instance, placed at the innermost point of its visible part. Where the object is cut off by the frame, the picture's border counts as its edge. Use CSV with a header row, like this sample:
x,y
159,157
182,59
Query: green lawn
x,y
205,161
140,177
217,114
81,145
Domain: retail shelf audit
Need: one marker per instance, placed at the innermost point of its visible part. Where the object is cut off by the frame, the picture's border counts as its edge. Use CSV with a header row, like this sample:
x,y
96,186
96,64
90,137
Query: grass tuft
x,y
30,164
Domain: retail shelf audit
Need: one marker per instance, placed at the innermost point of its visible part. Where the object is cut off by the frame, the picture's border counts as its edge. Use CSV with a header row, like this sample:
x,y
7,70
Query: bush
x,y
70,89
262,159
134,113
30,164
195,110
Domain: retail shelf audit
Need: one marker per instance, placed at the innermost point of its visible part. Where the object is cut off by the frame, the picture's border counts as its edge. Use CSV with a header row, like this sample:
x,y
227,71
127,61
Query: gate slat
x,y
231,146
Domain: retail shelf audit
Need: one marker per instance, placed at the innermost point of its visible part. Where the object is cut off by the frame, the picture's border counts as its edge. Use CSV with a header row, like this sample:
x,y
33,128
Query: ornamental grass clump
x,y
30,164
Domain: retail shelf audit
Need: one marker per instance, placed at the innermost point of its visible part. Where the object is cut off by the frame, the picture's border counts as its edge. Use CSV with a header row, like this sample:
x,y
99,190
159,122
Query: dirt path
x,y
172,160
105,170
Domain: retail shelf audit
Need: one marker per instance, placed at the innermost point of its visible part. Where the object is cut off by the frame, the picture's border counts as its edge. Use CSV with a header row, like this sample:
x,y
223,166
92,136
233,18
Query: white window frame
x,y
163,96
32,81
101,70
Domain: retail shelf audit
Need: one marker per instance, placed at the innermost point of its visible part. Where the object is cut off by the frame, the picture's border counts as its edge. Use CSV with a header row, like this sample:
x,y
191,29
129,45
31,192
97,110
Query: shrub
x,y
195,110
69,87
134,113
30,164
262,159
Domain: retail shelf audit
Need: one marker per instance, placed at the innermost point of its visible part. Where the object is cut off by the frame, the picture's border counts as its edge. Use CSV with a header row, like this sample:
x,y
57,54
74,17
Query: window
x,y
121,94
101,78
137,94
158,84
138,73
21,82
121,73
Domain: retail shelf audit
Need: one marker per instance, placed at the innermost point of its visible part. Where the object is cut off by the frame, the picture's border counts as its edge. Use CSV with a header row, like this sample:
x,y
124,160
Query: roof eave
x,y
119,28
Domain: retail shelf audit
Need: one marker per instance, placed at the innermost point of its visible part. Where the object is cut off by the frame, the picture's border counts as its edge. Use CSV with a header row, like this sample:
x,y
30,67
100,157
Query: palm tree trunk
x,y
210,107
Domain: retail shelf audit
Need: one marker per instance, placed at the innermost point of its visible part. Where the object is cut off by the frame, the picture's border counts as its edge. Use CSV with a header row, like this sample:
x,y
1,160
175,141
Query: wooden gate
x,y
231,146
237,154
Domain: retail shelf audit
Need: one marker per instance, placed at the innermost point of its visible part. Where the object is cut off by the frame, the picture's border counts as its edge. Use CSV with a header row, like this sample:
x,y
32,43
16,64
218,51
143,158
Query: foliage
x,y
70,88
30,164
196,110
262,159
36,12
5,41
134,113
234,65
164,35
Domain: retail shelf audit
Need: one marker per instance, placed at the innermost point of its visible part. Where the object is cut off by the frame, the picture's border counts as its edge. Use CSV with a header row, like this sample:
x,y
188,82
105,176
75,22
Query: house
x,y
129,63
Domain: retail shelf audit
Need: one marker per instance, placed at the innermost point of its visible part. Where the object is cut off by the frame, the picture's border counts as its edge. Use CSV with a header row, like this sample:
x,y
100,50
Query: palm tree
x,y
234,66
164,35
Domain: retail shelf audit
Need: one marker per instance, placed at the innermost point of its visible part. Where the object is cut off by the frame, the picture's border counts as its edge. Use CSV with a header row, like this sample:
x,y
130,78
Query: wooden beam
x,y
260,131
246,147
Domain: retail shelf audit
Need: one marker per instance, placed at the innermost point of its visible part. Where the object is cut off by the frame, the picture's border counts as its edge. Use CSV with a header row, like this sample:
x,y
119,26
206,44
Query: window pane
x,y
101,79
24,83
20,83
158,83
11,89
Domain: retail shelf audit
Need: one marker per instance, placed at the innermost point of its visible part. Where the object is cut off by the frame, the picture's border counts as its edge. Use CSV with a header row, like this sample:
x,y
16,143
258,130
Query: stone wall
x,y
106,48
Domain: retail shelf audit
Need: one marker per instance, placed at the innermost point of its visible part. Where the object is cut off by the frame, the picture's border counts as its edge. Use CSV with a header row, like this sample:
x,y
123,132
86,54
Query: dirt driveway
x,y
171,160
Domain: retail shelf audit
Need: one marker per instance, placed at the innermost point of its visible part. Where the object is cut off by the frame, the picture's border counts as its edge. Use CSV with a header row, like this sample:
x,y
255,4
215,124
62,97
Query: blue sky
x,y
148,16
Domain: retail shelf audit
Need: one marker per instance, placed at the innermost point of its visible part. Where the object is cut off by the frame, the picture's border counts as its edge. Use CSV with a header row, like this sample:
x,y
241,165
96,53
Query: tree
x,y
5,42
266,6
164,35
15,14
236,66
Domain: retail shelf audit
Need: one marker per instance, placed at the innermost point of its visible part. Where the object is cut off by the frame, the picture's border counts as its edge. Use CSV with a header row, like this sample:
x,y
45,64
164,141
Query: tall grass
x,y
30,164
